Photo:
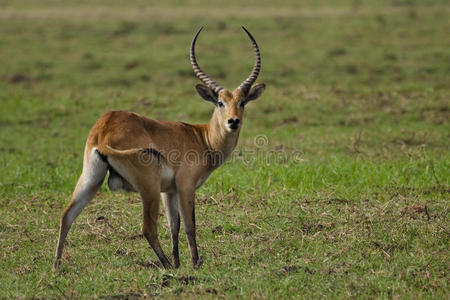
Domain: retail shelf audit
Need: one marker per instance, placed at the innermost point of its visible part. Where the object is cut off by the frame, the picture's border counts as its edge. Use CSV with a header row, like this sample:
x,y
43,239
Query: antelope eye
x,y
242,104
220,104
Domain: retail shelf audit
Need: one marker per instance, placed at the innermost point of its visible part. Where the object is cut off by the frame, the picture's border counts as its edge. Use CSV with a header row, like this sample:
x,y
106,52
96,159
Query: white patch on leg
x,y
94,172
171,205
94,169
167,177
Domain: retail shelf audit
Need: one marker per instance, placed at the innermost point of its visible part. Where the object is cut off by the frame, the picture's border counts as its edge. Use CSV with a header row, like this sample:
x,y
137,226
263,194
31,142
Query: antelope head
x,y
229,106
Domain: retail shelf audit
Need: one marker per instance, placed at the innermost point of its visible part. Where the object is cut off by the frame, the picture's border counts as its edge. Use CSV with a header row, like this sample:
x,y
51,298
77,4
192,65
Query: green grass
x,y
346,195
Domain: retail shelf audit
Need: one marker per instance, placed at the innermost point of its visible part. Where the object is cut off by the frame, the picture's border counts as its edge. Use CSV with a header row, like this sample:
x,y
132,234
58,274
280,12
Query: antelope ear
x,y
206,93
255,92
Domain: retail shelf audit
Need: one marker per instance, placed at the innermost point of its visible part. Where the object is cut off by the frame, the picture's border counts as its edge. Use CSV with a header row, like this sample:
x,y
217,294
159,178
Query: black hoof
x,y
56,264
199,263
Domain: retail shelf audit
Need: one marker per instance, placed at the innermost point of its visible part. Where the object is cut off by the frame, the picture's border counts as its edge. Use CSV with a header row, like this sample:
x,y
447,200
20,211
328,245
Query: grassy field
x,y
339,186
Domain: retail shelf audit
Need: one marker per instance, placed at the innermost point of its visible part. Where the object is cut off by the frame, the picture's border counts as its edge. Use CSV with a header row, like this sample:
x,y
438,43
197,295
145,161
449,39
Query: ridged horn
x,y
198,72
247,84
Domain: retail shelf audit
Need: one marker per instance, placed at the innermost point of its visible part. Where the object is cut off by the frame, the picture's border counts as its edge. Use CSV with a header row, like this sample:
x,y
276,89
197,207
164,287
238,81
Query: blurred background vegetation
x,y
357,90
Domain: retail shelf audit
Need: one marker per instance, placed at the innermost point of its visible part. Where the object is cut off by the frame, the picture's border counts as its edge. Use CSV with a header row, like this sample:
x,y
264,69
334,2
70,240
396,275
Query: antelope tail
x,y
110,151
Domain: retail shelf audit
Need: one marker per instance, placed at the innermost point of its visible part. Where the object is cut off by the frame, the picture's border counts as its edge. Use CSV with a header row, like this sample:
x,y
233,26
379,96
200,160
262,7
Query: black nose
x,y
234,121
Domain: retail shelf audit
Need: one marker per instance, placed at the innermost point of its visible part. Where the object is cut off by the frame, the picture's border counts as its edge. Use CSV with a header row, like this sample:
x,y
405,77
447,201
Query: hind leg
x,y
94,172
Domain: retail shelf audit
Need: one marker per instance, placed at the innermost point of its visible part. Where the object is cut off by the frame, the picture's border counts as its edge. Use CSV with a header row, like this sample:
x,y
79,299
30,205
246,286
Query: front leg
x,y
187,207
170,201
150,195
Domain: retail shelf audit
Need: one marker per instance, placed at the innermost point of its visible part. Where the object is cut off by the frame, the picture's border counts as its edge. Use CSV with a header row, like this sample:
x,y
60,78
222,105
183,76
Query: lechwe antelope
x,y
154,158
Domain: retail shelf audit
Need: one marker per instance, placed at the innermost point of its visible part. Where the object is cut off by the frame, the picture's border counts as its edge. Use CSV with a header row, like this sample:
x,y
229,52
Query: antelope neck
x,y
217,138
